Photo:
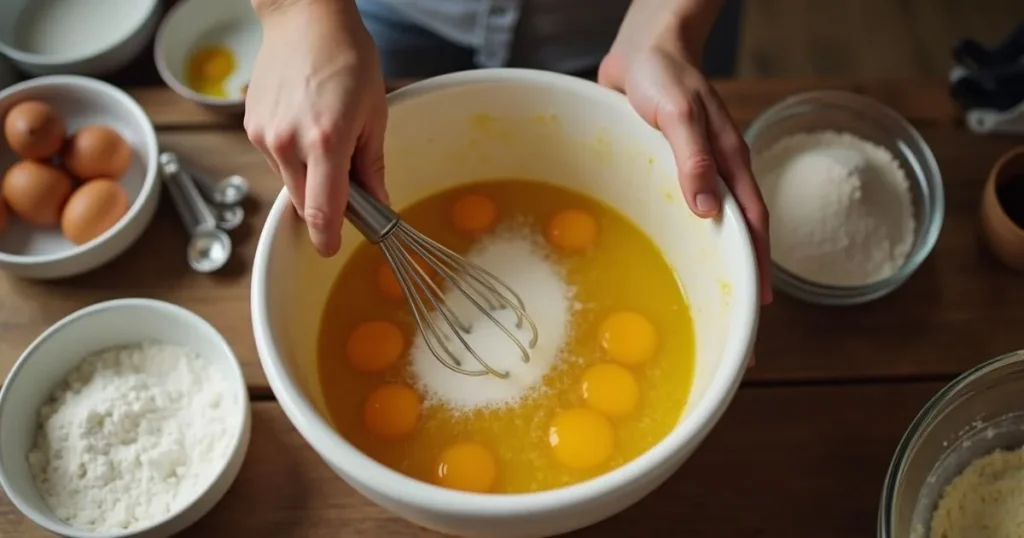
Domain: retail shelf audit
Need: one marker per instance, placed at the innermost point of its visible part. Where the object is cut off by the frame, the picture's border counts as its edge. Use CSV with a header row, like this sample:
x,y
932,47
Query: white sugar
x,y
524,263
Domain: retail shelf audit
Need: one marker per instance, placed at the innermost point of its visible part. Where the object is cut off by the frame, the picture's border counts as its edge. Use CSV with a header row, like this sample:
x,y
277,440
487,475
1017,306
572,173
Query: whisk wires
x,y
480,287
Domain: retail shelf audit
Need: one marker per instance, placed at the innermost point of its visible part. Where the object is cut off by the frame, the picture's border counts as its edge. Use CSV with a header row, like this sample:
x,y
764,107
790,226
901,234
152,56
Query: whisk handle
x,y
372,218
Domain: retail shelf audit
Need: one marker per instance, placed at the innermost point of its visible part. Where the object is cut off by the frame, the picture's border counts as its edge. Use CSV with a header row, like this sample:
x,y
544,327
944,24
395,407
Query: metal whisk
x,y
383,227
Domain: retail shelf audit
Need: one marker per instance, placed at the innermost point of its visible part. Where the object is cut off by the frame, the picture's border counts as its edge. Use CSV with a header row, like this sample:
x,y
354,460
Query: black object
x,y
973,55
1010,194
994,79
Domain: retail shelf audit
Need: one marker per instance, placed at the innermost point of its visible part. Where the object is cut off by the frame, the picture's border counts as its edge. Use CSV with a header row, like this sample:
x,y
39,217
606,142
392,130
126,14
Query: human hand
x,y
659,75
315,108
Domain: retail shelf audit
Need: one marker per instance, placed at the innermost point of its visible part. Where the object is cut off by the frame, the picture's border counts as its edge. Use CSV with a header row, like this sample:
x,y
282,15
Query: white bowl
x,y
37,253
196,23
59,350
8,75
501,123
94,37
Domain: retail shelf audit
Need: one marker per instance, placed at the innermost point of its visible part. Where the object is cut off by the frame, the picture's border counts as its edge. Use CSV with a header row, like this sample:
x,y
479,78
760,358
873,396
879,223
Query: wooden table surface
x,y
801,453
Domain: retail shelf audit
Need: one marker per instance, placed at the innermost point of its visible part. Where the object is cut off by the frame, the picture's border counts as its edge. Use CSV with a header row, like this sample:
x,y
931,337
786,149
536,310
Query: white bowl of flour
x,y
126,418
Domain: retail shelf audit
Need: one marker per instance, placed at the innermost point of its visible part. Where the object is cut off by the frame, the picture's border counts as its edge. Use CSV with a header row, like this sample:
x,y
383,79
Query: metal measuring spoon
x,y
229,217
229,191
209,248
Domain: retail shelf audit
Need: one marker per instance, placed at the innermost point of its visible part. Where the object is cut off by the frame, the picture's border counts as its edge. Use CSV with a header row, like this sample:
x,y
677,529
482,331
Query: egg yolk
x,y
392,411
581,438
375,345
388,282
610,389
467,467
209,68
572,230
474,213
628,338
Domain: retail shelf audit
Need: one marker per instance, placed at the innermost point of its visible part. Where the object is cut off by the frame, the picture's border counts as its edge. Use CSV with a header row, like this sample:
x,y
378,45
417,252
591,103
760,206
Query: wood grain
x,y
923,100
865,38
961,308
783,462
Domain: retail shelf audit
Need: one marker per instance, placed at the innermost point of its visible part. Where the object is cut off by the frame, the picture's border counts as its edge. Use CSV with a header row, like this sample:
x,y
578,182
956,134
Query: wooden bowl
x,y
1004,237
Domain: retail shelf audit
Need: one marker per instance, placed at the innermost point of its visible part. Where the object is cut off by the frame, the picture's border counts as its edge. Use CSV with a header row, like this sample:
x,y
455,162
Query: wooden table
x,y
801,453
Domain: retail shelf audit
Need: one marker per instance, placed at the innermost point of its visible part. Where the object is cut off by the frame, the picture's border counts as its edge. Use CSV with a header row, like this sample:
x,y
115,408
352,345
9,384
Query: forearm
x,y
674,23
264,8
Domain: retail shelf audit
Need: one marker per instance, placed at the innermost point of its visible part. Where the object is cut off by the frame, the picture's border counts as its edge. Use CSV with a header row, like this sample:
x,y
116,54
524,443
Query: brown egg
x,y
97,151
93,209
36,192
34,130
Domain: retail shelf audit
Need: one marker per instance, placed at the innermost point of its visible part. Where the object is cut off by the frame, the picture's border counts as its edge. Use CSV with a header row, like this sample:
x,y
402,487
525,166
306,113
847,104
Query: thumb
x,y
609,72
369,163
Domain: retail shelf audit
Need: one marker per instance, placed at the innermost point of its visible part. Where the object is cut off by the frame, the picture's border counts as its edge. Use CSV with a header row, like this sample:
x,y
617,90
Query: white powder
x,y
985,501
133,434
522,262
841,208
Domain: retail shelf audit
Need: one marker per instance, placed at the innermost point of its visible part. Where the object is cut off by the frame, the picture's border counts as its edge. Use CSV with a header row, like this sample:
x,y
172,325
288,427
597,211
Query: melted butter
x,y
624,271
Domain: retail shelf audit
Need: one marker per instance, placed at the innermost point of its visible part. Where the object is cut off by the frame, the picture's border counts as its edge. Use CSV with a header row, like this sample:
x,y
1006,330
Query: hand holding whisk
x,y
399,242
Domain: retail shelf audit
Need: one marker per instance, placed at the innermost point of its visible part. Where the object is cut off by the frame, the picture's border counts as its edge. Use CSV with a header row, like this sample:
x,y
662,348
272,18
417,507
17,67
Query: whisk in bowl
x,y
484,291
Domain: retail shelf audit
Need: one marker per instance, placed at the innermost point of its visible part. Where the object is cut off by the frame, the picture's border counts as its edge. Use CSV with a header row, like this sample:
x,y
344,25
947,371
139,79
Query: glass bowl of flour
x,y
958,472
854,192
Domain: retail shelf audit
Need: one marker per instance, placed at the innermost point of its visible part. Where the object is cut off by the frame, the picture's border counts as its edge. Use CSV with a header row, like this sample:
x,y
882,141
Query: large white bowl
x,y
195,23
60,349
502,123
92,37
38,253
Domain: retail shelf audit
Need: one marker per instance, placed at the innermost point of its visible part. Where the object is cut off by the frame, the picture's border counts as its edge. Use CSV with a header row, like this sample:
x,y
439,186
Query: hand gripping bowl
x,y
513,123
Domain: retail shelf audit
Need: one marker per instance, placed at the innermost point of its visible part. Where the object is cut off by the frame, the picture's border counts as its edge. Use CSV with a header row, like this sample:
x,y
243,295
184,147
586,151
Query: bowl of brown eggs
x,y
78,179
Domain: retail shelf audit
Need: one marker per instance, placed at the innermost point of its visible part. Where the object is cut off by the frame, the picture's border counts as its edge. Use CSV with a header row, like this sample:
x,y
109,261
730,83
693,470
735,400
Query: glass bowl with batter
x,y
979,413
873,122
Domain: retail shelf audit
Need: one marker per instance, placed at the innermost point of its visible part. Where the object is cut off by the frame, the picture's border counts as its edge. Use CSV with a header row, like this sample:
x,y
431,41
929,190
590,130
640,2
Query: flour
x,y
841,208
985,501
521,261
133,434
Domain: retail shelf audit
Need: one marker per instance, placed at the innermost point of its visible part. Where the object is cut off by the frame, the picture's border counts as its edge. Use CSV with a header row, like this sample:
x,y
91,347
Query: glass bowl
x,y
979,412
874,122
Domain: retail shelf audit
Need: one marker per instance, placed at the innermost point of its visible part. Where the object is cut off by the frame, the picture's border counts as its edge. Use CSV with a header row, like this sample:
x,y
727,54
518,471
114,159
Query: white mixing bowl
x,y
513,123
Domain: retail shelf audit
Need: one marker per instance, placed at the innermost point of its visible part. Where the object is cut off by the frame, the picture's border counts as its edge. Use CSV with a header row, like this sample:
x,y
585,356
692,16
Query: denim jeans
x,y
410,51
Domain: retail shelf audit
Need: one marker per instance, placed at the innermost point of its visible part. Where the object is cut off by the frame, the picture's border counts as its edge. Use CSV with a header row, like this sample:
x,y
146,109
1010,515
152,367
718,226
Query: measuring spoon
x,y
231,190
209,248
228,217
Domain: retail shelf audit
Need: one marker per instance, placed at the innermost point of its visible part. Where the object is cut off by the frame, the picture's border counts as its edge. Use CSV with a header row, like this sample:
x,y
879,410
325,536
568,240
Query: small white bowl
x,y
8,75
43,254
196,23
94,38
59,350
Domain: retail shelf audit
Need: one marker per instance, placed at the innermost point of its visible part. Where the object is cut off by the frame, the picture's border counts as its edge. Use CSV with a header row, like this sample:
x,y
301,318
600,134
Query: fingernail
x,y
325,246
707,203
